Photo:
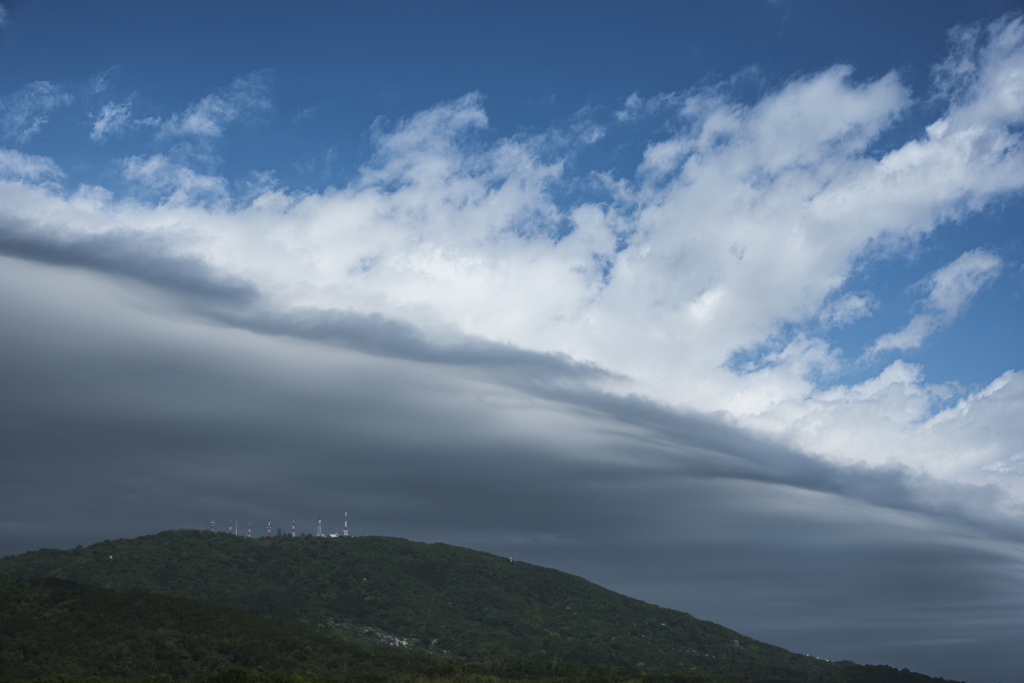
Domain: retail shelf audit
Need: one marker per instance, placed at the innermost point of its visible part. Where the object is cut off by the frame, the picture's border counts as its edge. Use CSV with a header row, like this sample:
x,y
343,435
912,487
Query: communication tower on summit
x,y
344,533
268,527
319,525
213,526
250,529
293,527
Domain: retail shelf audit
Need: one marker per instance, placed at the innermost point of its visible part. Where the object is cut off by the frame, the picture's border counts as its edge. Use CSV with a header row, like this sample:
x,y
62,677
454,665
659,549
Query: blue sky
x,y
771,248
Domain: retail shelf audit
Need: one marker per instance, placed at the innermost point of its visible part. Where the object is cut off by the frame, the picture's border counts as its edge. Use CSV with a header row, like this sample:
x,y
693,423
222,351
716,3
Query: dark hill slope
x,y
52,630
475,604
51,627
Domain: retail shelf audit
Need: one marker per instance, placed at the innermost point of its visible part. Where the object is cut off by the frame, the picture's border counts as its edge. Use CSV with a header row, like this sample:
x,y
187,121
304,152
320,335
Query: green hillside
x,y
55,630
51,627
441,598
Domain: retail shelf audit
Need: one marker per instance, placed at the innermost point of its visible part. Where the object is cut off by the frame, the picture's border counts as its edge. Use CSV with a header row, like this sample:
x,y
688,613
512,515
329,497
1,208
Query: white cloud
x,y
209,116
26,111
178,184
636,107
588,132
745,221
112,119
15,165
982,75
955,284
846,310
951,287
3,16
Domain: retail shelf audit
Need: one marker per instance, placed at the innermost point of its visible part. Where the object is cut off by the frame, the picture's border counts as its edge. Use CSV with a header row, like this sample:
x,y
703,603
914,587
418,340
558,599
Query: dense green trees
x,y
54,627
476,606
56,631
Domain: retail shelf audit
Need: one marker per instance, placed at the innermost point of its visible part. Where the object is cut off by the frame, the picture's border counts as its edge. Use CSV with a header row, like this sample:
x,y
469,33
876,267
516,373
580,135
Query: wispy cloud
x,y
636,107
101,81
846,310
26,111
111,119
15,165
179,184
951,287
303,114
209,116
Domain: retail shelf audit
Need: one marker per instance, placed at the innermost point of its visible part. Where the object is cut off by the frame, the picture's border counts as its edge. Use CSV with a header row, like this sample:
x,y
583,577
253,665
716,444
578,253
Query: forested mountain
x,y
53,630
442,598
52,627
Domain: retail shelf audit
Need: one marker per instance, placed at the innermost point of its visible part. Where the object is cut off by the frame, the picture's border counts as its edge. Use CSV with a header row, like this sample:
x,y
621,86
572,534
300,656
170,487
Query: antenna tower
x,y
229,526
250,529
344,534
213,526
293,527
268,527
319,527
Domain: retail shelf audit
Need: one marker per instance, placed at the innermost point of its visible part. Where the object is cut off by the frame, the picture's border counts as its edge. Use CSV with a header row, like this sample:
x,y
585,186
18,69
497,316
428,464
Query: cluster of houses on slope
x,y
385,639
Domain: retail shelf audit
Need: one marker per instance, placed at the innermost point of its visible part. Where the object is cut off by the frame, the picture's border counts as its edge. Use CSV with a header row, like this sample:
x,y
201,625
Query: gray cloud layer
x,y
124,413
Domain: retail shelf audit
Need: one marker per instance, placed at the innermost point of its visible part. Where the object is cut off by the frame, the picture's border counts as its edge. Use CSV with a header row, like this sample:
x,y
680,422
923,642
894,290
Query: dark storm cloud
x,y
143,258
735,453
150,260
382,336
123,412
553,376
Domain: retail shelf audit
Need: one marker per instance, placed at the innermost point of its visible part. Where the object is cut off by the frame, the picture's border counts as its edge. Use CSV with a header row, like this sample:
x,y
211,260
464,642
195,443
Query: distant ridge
x,y
473,604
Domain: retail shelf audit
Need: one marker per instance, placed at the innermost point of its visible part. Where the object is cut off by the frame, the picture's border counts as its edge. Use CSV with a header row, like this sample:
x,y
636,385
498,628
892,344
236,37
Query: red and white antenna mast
x,y
345,532
293,527
250,529
229,527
